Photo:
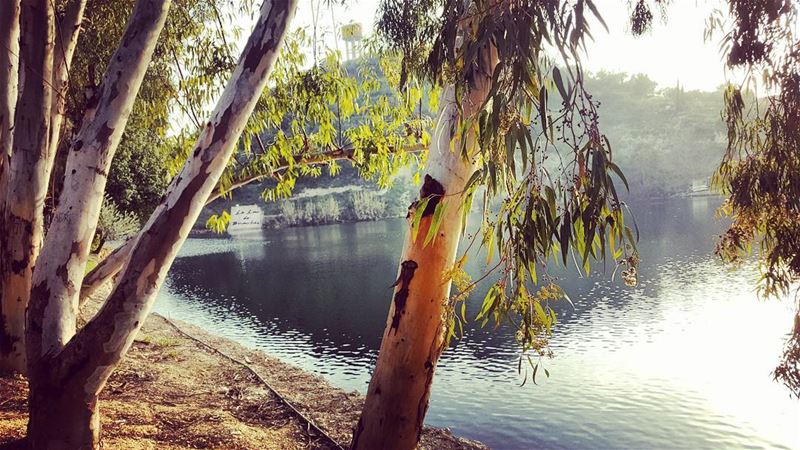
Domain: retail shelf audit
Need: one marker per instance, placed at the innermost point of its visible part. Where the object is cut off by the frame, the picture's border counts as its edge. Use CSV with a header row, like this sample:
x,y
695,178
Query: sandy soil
x,y
177,388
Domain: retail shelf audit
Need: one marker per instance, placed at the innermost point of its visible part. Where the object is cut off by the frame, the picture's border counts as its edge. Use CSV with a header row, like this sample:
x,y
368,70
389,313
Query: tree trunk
x,y
399,391
106,269
67,33
83,366
9,68
28,177
10,332
63,417
53,306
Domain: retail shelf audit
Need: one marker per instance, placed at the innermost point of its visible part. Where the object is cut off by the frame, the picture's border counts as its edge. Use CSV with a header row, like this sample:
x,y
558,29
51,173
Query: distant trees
x,y
664,138
355,205
310,212
367,205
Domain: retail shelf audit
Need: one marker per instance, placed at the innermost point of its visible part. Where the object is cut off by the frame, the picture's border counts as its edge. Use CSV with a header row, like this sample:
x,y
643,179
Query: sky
x,y
673,52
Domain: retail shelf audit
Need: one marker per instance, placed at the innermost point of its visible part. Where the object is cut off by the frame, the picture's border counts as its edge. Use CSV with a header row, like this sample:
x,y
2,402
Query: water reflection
x,y
682,361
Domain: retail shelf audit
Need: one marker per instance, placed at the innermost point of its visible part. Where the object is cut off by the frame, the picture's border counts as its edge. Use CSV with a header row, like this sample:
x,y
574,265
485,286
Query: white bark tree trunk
x,y
53,306
67,33
399,391
79,371
9,71
28,176
9,68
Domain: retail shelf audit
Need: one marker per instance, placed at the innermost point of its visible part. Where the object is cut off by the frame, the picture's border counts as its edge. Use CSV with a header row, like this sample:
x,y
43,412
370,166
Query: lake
x,y
684,360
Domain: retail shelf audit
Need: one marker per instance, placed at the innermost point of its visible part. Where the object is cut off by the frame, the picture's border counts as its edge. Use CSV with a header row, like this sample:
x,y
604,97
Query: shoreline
x,y
182,387
200,231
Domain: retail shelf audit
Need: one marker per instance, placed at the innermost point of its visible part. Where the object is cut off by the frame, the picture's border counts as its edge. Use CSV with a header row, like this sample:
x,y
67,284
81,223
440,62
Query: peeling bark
x,y
407,269
399,391
88,359
28,177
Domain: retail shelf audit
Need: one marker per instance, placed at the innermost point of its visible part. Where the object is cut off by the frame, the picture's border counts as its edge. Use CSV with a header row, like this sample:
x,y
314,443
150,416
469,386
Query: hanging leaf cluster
x,y
542,153
760,171
310,119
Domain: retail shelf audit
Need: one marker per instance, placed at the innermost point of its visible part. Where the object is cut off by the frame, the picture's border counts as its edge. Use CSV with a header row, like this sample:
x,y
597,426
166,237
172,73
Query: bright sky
x,y
672,52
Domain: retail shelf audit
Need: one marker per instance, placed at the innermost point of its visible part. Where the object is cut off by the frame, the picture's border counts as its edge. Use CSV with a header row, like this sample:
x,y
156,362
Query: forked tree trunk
x,y
53,307
29,173
80,370
399,391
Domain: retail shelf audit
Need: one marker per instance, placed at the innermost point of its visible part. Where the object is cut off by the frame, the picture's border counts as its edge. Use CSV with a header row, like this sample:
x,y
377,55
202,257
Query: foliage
x,y
759,171
114,224
329,112
138,176
551,164
310,118
190,64
664,138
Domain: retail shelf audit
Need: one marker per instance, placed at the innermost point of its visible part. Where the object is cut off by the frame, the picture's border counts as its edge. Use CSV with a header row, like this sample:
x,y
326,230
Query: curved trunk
x,y
106,269
83,366
28,177
399,391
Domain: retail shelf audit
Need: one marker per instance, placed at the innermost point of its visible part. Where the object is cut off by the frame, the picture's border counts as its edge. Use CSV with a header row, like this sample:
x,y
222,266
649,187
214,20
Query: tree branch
x,y
114,262
89,358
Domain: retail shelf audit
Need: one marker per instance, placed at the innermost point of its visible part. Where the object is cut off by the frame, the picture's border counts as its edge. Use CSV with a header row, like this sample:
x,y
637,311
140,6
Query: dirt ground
x,y
173,391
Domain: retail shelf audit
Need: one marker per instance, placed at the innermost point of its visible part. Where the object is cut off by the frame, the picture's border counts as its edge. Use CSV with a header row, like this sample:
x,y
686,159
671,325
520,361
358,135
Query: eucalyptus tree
x,y
71,84
28,166
67,368
575,210
552,167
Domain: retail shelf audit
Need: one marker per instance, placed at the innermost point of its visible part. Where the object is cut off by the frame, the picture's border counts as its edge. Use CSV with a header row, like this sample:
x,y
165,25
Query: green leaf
x,y
543,107
596,13
566,230
619,173
435,222
418,210
559,83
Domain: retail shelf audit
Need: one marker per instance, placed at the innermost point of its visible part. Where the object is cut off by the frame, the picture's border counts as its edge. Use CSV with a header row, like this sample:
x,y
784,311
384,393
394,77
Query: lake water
x,y
682,361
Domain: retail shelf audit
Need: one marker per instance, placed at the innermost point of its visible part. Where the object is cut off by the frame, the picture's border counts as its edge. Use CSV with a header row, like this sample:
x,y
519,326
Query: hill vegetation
x,y
663,139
